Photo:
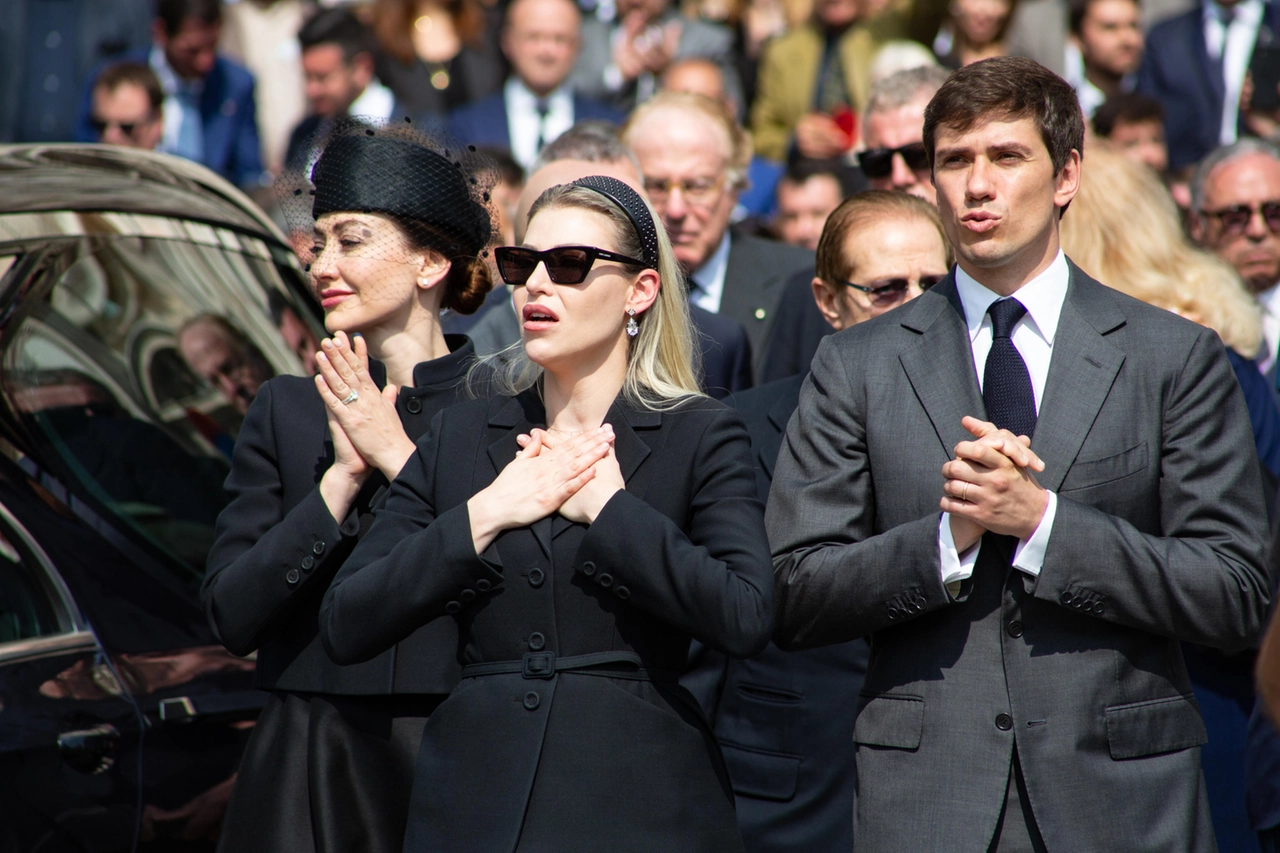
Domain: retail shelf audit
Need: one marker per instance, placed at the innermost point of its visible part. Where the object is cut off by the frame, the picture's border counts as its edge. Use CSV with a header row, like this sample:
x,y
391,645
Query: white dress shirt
x,y
1033,337
1237,40
376,100
183,133
708,279
525,127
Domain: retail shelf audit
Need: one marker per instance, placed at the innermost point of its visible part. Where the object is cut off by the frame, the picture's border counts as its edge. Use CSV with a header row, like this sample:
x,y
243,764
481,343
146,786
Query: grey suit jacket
x,y
698,38
1159,537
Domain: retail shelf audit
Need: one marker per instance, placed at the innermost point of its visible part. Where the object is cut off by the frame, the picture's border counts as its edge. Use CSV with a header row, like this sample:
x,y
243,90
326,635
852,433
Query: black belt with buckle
x,y
547,664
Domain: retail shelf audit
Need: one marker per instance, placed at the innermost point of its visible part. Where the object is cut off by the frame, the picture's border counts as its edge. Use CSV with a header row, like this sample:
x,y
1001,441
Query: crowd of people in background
x,y
782,145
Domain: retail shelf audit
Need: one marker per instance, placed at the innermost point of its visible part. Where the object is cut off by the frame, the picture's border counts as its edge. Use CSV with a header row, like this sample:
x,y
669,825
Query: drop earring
x,y
633,328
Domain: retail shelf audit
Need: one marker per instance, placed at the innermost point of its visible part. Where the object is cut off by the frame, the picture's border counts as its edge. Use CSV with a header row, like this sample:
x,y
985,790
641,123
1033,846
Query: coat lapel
x,y
1081,372
518,415
629,447
940,366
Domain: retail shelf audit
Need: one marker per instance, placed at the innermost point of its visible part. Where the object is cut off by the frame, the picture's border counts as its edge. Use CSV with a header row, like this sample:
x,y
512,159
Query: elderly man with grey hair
x,y
893,130
1235,213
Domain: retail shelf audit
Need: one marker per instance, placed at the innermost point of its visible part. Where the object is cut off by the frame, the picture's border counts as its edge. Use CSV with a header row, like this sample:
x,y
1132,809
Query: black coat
x,y
547,759
784,720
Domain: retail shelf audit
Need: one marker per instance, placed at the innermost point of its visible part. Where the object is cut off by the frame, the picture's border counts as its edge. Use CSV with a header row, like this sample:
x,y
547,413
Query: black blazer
x,y
726,352
757,272
552,759
798,328
784,720
278,546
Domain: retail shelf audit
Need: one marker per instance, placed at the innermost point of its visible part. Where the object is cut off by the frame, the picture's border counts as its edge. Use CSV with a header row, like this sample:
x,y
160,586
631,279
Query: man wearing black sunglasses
x,y
128,106
894,158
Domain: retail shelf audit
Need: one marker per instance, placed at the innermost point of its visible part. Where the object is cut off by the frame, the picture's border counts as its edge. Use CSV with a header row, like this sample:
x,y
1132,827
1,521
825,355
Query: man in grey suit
x,y
1026,689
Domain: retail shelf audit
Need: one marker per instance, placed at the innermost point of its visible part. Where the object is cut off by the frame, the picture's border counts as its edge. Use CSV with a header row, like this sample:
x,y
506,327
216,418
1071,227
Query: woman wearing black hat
x,y
579,531
398,225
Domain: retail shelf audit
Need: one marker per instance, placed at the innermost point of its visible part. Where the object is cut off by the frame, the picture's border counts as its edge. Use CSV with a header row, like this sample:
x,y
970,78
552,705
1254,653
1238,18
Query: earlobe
x,y
826,301
644,291
432,271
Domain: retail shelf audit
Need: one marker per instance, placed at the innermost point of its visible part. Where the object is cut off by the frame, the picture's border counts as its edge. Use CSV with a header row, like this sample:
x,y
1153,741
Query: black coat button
x,y
483,585
413,405
308,561
622,592
1066,598
605,580
467,595
317,548
532,700
1004,722
292,576
588,568
1079,603
452,607
894,613
1015,628
536,577
1097,608
537,642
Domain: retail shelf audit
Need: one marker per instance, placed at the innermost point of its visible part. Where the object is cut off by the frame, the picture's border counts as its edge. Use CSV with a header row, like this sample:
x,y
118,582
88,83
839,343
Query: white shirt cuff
x,y
1029,555
955,566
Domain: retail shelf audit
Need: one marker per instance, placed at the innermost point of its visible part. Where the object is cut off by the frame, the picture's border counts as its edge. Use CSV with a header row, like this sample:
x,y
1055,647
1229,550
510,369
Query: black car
x,y
142,302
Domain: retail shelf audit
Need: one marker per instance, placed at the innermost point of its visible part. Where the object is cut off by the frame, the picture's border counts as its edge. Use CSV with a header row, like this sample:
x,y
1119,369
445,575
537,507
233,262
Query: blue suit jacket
x,y
484,122
1177,71
231,145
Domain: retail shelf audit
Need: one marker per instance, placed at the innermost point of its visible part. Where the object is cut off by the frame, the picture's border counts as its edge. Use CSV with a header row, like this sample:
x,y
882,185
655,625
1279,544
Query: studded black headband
x,y
633,206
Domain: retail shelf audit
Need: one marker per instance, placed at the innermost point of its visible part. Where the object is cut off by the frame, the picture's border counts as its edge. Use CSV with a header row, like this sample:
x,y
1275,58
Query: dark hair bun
x,y
467,285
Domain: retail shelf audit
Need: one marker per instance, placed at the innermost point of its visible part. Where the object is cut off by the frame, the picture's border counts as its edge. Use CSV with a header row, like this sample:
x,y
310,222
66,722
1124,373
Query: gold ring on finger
x,y
964,496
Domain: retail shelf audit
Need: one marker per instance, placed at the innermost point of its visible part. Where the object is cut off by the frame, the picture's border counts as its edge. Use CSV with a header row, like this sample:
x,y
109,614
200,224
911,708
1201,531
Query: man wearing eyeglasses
x,y
128,106
894,157
1235,202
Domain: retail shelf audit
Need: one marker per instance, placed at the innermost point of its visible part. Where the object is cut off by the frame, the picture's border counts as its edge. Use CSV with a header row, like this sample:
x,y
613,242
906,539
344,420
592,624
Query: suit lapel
x,y
940,366
779,415
1081,372
517,416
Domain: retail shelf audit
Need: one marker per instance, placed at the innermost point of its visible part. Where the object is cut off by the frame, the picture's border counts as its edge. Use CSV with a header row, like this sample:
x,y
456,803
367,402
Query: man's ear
x,y
826,298
362,68
158,34
1067,182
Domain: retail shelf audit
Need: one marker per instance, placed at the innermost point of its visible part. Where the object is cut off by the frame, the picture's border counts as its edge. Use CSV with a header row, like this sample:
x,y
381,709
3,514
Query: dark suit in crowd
x,y
340,738
1178,71
798,328
784,720
569,731
484,122
754,280
1158,537
228,118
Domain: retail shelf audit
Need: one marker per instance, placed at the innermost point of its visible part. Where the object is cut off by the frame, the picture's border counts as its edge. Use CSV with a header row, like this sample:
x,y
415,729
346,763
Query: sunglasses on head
x,y
893,289
1236,218
878,162
564,264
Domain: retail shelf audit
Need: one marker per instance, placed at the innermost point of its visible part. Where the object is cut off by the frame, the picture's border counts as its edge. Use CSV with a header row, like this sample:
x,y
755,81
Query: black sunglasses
x,y
127,128
878,162
1235,219
565,264
893,289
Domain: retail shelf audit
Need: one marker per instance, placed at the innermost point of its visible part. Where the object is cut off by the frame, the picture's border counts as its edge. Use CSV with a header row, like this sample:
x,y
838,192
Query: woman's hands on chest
x,y
576,475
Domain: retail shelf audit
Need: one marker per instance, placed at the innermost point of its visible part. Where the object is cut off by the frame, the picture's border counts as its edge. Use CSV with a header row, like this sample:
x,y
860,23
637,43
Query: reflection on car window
x,y
132,361
25,609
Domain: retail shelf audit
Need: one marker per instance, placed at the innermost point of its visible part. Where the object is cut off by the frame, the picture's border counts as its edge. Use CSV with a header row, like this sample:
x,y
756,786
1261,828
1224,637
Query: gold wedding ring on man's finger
x,y
964,496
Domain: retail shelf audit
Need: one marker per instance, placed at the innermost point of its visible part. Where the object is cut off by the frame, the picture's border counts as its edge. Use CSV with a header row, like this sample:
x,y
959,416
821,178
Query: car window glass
x,y
26,611
133,358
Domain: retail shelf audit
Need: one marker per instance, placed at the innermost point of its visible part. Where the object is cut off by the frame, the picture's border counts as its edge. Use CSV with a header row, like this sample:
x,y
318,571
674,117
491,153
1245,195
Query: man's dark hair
x,y
801,169
1076,12
1126,108
132,74
174,13
509,171
340,27
1009,88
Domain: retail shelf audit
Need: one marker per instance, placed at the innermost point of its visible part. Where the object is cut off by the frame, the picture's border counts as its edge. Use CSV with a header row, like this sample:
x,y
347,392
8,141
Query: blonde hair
x,y
1123,229
663,363
739,151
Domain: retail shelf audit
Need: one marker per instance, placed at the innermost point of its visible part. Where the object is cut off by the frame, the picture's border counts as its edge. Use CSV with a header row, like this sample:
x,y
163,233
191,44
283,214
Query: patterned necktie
x,y
1006,383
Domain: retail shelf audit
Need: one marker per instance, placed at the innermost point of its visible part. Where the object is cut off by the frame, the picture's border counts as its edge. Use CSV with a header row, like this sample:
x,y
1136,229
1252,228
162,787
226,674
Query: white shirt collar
x,y
520,96
376,100
708,279
1042,297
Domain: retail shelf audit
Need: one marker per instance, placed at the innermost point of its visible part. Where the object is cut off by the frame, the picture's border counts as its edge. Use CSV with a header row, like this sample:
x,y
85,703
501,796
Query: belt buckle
x,y
539,665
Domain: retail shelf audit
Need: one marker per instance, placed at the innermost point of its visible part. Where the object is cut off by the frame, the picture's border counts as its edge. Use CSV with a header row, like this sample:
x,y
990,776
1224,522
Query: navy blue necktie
x,y
1006,383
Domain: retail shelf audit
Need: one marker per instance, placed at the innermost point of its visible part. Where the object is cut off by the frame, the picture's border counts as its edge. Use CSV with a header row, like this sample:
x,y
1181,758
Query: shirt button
x,y
453,607
413,405
307,562
292,576
532,700
1004,722
588,568
537,642
537,576
1015,628
483,585
605,580
467,595
317,548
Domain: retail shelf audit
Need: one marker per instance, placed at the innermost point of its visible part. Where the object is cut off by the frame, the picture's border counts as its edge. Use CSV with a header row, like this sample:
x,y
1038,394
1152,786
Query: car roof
x,y
40,178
